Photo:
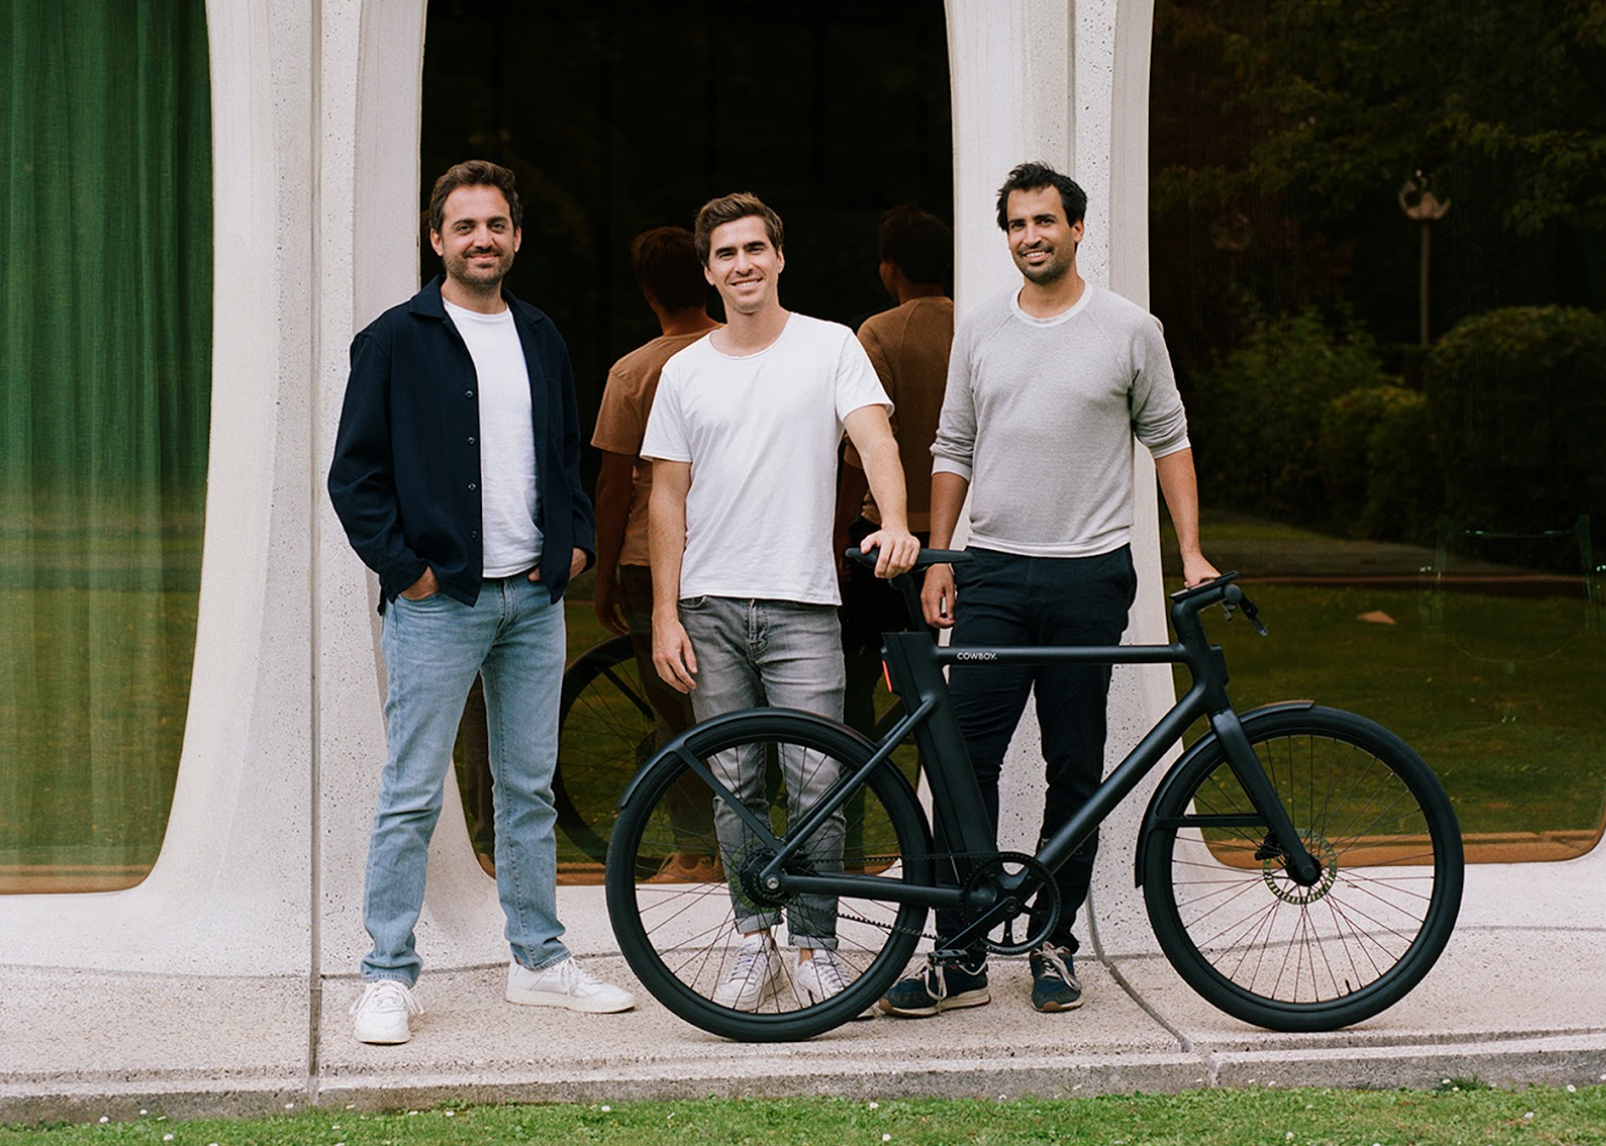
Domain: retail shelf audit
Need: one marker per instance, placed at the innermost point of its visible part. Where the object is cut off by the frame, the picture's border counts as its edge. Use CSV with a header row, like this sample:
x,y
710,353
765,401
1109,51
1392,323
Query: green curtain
x,y
105,362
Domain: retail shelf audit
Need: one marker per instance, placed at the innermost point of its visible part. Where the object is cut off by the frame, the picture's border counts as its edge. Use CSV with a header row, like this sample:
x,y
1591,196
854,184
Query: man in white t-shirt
x,y
456,476
743,438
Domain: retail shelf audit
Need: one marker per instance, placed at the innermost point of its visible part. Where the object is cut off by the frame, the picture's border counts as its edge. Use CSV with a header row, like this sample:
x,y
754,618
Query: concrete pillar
x,y
1066,82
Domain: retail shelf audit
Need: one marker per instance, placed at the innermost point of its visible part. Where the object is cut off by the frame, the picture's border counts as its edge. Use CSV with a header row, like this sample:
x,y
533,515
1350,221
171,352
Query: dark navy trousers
x,y
1004,599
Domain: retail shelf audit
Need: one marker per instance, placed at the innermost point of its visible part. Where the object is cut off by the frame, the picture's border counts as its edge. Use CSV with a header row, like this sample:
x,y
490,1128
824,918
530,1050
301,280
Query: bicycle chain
x,y
893,929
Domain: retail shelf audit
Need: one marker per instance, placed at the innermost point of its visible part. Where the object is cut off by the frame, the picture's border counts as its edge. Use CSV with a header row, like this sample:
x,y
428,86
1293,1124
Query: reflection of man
x,y
1047,386
744,434
671,278
908,346
456,476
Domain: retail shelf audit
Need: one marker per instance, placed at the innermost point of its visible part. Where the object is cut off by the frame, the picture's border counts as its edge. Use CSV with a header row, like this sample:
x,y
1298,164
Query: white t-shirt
x,y
761,433
511,539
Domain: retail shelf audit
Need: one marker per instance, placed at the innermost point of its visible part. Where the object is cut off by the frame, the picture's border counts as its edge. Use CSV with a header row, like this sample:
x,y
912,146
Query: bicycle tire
x,y
680,937
606,731
1257,945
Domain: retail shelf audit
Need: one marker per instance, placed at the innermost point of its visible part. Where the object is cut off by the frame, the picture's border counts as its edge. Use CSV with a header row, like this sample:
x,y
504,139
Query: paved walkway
x,y
1517,998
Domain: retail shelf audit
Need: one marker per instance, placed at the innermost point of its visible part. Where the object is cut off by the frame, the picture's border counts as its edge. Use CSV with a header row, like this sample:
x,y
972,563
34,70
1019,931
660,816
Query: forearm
x,y
871,433
947,499
614,483
1180,487
666,546
884,473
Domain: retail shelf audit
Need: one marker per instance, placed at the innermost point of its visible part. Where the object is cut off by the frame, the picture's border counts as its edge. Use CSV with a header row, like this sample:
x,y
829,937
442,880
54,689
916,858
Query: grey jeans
x,y
788,655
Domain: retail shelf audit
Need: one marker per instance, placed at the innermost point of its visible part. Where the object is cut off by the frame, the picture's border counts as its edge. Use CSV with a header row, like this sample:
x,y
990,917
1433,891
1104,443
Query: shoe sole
x,y
567,1002
1052,1008
951,1003
772,990
383,1040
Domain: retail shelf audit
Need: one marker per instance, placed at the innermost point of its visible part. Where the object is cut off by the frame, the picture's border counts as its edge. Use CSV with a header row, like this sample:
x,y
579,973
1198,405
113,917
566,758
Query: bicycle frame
x,y
914,666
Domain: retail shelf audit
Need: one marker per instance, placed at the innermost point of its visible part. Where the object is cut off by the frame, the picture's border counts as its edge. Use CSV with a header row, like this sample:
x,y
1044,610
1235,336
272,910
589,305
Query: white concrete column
x,y
369,203
1065,82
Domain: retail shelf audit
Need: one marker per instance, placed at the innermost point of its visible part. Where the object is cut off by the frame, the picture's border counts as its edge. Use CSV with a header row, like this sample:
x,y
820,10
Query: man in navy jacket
x,y
456,477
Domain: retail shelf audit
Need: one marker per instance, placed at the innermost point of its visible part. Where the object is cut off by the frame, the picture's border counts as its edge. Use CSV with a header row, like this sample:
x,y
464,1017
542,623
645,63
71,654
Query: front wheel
x,y
682,895
1260,945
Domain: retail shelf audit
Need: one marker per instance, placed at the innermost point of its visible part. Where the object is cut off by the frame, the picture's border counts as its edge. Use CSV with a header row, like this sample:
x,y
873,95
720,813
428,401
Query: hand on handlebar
x,y
898,547
1196,570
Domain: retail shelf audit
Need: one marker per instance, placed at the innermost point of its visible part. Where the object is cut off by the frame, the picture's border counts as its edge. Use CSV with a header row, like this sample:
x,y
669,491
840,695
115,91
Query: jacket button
x,y
473,533
471,441
468,393
471,487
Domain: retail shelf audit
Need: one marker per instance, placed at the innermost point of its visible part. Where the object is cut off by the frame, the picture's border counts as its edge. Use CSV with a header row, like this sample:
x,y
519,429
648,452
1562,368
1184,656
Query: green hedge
x,y
1518,406
1257,418
1380,465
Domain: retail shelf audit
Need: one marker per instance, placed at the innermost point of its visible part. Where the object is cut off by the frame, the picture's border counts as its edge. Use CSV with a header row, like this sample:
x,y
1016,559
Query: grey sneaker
x,y
756,977
566,985
384,1011
1055,986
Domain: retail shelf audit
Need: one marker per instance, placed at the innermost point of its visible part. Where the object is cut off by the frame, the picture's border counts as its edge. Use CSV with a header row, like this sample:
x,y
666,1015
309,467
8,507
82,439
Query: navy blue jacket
x,y
405,480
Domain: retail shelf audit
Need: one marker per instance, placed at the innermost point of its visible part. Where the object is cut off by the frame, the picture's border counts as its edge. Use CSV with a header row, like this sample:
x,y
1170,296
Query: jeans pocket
x,y
694,604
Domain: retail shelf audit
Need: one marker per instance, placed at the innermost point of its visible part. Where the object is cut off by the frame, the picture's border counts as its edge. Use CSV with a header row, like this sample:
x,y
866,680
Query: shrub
x,y
1379,466
1259,414
1518,401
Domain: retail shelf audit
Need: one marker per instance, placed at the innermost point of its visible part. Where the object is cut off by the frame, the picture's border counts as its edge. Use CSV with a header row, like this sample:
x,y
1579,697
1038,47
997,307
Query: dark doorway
x,y
632,115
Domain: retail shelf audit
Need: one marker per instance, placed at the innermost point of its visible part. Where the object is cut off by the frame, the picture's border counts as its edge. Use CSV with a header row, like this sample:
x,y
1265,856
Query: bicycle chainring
x,y
1046,901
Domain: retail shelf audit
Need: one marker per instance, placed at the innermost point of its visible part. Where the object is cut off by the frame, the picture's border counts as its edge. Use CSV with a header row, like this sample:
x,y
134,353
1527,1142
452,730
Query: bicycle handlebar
x,y
922,560
1219,591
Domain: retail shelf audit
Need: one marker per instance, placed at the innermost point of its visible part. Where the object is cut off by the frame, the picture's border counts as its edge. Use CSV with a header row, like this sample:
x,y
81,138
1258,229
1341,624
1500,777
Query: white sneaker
x,y
819,977
756,978
565,984
383,1011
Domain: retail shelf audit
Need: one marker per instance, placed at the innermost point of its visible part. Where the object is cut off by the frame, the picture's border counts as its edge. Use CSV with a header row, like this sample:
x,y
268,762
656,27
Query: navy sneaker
x,y
1055,986
942,986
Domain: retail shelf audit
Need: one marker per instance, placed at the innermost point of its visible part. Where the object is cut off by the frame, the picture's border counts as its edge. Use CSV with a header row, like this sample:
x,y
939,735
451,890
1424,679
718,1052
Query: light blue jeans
x,y
513,637
788,655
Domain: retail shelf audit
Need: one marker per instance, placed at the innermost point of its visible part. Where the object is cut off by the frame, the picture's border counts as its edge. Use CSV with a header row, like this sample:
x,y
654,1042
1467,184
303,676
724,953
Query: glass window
x,y
622,117
1384,295
105,150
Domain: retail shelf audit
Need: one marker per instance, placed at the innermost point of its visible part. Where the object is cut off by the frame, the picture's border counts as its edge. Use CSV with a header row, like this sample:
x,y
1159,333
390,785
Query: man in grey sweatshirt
x,y
1047,386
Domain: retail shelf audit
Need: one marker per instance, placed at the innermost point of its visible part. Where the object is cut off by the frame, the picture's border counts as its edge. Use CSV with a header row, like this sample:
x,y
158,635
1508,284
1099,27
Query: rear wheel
x,y
680,919
1268,950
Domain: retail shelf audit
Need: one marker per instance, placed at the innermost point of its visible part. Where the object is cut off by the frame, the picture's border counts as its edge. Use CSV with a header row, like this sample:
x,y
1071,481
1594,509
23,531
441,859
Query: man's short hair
x,y
666,265
1034,177
918,243
728,209
473,173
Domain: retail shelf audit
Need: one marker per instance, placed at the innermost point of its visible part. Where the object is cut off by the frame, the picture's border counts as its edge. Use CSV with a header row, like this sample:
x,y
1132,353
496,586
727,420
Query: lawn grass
x,y
1453,1115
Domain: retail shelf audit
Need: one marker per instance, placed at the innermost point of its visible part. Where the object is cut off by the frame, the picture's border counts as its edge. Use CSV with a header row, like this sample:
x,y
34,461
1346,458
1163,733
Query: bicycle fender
x,y
1204,744
699,734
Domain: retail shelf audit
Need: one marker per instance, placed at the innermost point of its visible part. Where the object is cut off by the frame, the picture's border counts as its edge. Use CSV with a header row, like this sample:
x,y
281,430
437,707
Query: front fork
x,y
1303,868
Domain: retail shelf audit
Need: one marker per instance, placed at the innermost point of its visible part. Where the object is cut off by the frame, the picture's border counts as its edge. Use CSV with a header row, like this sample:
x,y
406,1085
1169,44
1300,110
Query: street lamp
x,y
1424,206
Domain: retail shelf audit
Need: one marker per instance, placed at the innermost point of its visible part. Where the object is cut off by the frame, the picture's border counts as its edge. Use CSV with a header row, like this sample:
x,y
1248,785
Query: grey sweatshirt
x,y
1039,417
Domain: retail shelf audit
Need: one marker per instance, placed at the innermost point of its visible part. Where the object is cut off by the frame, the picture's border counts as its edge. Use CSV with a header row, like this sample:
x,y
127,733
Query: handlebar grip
x,y
924,558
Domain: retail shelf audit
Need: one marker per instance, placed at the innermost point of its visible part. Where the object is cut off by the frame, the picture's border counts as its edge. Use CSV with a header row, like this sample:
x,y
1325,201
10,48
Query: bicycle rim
x,y
606,731
679,906
1269,951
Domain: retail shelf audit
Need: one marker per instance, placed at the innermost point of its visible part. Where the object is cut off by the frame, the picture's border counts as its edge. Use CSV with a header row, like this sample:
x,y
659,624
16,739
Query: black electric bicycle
x,y
1301,866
